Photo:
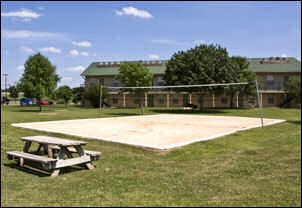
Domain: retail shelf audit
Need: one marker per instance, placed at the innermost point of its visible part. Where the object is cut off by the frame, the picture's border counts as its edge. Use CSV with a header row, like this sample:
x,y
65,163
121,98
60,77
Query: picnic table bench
x,y
64,149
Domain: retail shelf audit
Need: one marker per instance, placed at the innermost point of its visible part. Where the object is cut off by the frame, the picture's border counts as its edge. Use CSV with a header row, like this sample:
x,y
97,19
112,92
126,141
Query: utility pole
x,y
5,83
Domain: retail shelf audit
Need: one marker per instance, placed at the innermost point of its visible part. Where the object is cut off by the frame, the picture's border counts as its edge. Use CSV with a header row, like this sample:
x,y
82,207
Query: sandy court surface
x,y
162,131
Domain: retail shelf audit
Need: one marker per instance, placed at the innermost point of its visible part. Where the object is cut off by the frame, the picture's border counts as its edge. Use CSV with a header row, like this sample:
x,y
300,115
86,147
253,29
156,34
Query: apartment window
x,y
270,79
251,100
224,100
270,99
160,81
101,81
175,99
160,99
115,100
115,83
136,100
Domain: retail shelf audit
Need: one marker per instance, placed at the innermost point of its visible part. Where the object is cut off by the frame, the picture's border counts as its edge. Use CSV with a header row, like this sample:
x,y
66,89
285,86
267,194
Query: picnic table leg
x,y
55,173
59,157
82,153
45,147
27,146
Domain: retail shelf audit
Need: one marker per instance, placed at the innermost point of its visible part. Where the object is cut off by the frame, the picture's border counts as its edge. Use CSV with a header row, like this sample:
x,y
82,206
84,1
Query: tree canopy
x,y
133,74
293,86
39,78
65,93
206,64
93,94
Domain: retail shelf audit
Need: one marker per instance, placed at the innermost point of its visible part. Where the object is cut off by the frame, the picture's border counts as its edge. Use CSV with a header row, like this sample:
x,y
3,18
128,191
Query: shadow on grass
x,y
182,111
123,114
34,170
294,122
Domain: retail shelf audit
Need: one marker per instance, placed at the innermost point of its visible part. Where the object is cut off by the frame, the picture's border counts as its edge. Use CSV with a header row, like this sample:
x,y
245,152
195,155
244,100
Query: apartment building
x,y
273,73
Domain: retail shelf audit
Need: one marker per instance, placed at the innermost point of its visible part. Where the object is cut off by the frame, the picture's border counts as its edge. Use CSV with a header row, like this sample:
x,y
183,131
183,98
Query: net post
x,y
259,103
101,99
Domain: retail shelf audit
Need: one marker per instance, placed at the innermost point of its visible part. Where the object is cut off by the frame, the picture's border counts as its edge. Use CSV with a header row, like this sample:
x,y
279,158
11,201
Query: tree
x,y
39,78
93,94
240,72
13,92
65,93
78,94
133,74
293,86
200,65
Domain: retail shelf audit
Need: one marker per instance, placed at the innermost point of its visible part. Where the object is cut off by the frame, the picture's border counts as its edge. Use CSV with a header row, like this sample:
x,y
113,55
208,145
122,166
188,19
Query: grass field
x,y
256,167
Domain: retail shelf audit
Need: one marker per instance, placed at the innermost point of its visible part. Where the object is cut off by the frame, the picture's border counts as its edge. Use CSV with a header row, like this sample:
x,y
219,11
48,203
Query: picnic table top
x,y
53,140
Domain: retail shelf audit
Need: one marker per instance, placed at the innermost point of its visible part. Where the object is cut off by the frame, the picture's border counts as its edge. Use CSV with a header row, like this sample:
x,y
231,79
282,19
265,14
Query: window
x,y
160,81
270,99
224,100
175,99
115,100
251,100
115,83
101,81
270,79
136,100
160,99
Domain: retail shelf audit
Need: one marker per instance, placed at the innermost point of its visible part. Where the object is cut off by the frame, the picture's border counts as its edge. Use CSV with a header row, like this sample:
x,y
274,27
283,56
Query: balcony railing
x,y
272,85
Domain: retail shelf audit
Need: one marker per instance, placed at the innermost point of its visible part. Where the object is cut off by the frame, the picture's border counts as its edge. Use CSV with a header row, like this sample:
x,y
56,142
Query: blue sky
x,y
72,35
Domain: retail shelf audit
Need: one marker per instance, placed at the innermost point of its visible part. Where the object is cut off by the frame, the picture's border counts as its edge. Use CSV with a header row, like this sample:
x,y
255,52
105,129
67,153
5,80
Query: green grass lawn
x,y
256,167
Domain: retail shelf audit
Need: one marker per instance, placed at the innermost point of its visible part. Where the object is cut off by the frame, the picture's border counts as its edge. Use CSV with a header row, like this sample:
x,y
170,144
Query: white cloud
x,y
83,44
22,34
74,52
26,49
66,79
20,68
51,49
25,14
134,12
167,41
84,53
200,41
283,55
75,69
153,56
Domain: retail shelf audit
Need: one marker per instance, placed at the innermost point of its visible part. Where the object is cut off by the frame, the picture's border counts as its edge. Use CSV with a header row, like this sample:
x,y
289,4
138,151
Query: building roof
x,y
257,65
275,65
112,68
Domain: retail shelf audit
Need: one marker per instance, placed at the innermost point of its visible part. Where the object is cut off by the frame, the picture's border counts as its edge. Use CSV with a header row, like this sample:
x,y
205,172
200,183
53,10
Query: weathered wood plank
x,y
94,155
72,161
52,140
28,156
88,152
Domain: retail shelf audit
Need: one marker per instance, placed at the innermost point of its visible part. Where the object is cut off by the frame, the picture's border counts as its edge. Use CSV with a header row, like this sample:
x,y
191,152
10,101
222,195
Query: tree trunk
x,y
141,106
40,106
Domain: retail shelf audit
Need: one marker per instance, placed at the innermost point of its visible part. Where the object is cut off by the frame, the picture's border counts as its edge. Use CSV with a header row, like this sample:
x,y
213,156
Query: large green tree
x,y
92,93
65,93
204,64
240,72
13,92
293,87
133,74
39,78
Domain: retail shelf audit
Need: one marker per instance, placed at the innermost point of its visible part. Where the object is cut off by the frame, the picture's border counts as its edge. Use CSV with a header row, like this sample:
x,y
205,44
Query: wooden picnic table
x,y
64,148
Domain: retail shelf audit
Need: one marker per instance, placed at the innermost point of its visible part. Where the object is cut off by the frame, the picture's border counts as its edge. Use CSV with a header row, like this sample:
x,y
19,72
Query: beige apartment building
x,y
273,73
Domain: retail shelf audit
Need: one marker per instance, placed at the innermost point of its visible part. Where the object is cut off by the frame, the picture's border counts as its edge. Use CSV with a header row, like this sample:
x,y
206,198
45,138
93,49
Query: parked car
x,y
27,101
4,100
44,102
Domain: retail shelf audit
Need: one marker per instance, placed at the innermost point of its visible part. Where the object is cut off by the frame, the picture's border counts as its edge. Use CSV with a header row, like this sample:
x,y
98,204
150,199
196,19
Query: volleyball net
x,y
224,95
